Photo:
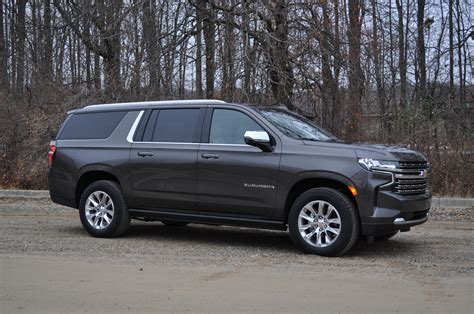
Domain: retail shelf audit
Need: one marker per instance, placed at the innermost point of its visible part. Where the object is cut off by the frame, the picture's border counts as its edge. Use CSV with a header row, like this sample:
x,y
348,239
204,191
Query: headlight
x,y
373,164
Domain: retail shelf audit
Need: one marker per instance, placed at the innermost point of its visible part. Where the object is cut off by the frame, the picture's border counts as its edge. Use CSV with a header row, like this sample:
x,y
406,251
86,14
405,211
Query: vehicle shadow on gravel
x,y
386,248
253,238
211,235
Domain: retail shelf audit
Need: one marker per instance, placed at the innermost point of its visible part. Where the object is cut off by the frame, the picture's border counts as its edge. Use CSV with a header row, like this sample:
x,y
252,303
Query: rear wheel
x,y
103,211
174,223
323,221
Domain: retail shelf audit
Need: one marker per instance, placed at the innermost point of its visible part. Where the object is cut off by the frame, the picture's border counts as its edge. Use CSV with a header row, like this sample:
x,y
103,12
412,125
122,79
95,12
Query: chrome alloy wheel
x,y
99,209
319,223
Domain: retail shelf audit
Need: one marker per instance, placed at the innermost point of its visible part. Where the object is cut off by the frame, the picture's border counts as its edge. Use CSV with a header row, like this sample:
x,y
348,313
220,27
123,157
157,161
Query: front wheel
x,y
103,211
323,221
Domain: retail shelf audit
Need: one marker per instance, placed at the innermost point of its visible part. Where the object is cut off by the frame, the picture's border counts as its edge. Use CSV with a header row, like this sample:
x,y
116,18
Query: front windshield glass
x,y
295,126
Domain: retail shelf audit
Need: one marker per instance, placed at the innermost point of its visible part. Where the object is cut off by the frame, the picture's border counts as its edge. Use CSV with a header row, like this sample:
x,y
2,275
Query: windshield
x,y
295,126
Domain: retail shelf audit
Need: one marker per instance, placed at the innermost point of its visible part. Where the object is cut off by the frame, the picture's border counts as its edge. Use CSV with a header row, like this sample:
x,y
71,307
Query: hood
x,y
378,151
396,152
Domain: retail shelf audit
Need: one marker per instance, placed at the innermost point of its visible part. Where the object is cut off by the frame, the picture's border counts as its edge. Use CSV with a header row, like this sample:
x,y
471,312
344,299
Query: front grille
x,y
411,178
413,164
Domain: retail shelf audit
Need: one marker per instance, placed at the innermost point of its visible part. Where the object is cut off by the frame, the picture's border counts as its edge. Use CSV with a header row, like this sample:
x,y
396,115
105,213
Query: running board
x,y
202,218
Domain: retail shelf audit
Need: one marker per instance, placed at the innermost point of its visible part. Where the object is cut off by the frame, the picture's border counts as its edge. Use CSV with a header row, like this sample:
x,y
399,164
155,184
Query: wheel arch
x,y
327,180
91,175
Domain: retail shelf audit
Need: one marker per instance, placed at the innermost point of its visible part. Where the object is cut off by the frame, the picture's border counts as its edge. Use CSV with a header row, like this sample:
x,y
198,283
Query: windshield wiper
x,y
333,140
309,139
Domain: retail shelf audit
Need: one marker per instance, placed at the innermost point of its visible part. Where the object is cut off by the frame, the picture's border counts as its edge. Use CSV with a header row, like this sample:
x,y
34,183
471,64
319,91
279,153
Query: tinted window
x,y
98,125
229,127
150,126
175,125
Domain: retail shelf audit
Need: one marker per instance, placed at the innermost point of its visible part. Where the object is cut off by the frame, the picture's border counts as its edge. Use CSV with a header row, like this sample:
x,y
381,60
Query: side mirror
x,y
259,139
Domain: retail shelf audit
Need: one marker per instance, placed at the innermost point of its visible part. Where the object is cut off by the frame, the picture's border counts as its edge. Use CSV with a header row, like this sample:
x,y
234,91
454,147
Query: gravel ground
x,y
50,264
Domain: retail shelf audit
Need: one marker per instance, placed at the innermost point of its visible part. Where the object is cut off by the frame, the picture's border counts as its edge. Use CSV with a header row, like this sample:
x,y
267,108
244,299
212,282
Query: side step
x,y
204,218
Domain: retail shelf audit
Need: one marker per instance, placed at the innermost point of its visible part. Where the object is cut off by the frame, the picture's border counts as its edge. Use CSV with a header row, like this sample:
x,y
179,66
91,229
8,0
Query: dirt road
x,y
49,264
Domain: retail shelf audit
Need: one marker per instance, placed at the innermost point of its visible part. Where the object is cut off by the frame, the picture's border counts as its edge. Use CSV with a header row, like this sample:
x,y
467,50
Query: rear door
x,y
234,177
163,159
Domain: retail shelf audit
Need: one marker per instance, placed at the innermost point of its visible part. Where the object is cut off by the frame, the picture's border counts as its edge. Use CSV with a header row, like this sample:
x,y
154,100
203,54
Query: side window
x,y
172,125
95,125
229,127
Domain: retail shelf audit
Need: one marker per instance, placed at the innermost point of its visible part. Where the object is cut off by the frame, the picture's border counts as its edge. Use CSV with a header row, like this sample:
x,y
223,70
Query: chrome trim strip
x,y
171,143
218,144
386,172
402,221
421,175
161,102
131,133
186,143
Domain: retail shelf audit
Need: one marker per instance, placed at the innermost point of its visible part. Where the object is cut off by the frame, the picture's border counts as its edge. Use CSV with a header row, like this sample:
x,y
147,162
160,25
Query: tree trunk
x,y
280,71
421,47
377,66
228,58
47,63
209,31
356,77
20,47
3,54
376,55
199,53
451,50
97,80
462,83
329,90
246,49
112,42
13,44
149,32
402,64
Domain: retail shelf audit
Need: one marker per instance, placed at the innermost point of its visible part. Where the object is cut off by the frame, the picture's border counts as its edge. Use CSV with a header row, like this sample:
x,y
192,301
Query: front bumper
x,y
394,212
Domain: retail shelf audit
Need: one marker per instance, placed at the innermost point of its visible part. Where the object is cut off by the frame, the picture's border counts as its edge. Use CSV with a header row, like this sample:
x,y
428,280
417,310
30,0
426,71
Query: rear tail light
x,y
52,152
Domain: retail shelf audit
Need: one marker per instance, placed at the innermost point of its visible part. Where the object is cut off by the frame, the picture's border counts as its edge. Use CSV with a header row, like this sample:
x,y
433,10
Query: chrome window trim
x,y
178,143
223,144
133,129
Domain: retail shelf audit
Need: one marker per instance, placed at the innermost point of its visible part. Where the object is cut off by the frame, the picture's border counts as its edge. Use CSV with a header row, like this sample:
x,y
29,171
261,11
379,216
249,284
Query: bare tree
x,y
355,75
402,63
421,46
149,33
20,45
3,53
108,44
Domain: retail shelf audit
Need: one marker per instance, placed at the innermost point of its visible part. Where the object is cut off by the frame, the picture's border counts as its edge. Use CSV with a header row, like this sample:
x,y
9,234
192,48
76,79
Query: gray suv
x,y
212,162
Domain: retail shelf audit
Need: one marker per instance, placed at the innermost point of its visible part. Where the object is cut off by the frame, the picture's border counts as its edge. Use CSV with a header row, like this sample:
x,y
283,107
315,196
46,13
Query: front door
x,y
234,177
164,161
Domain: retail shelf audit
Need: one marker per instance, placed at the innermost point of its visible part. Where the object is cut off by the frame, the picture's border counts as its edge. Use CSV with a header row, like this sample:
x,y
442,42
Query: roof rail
x,y
161,102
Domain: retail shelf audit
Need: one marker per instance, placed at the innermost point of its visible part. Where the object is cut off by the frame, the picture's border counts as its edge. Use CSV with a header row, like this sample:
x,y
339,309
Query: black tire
x,y
174,223
121,218
349,218
386,236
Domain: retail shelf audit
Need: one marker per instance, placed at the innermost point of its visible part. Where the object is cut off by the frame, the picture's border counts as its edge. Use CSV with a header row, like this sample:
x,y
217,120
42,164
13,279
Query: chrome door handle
x,y
145,154
210,156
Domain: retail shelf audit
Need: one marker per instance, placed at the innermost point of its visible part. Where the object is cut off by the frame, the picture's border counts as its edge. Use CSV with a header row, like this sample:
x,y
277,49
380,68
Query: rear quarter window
x,y
95,125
